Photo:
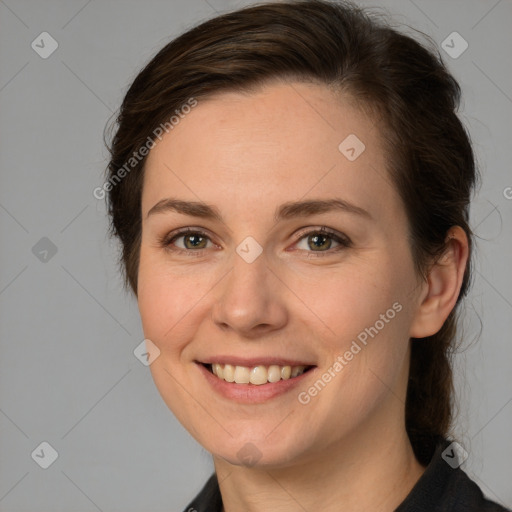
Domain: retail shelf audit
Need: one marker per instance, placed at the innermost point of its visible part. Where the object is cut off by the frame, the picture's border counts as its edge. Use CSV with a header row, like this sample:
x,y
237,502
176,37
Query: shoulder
x,y
445,487
208,499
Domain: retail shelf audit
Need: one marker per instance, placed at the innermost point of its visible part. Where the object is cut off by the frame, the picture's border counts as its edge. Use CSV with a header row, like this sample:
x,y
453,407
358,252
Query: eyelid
x,y
167,239
311,230
344,241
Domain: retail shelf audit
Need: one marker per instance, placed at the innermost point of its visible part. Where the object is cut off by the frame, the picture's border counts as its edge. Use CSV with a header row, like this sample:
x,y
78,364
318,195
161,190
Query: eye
x,y
318,242
321,241
186,240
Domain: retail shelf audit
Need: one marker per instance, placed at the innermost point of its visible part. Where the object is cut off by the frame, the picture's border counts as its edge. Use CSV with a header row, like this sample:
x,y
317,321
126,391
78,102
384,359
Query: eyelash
x,y
166,241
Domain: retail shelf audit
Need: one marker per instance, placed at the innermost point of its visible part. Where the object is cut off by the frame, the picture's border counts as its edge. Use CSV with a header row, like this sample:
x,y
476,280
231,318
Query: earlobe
x,y
443,286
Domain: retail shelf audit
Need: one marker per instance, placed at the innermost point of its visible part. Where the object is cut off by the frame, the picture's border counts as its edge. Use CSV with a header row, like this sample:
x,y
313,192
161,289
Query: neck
x,y
372,469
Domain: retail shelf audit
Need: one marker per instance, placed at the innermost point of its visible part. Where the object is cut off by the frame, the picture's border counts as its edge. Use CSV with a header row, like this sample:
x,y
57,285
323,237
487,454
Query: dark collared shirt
x,y
441,488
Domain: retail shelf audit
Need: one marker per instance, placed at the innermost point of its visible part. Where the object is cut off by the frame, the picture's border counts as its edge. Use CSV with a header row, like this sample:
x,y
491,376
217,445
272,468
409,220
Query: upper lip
x,y
254,361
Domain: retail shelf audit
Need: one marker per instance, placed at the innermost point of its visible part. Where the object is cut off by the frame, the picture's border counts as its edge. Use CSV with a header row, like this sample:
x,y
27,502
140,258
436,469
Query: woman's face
x,y
256,285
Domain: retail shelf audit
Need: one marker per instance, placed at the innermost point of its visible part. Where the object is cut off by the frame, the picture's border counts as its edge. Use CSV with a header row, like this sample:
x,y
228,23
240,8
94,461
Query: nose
x,y
250,300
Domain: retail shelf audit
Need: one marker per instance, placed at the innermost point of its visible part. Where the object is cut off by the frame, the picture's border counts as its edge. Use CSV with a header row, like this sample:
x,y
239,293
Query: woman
x,y
290,184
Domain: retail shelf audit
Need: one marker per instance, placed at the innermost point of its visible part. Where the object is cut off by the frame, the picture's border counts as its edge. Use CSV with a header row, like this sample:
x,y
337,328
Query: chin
x,y
259,451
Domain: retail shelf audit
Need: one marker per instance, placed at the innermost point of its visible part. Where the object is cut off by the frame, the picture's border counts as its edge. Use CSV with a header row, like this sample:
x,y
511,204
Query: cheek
x,y
366,325
166,302
365,369
168,305
347,300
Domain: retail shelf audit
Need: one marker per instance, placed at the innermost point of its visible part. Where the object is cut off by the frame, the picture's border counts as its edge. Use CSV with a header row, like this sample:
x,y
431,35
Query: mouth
x,y
256,375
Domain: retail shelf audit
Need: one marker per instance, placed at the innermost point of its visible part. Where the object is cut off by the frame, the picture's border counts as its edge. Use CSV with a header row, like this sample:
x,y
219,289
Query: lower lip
x,y
251,393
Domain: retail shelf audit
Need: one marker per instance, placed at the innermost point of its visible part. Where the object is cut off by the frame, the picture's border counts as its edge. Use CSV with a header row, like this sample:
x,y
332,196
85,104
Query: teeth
x,y
256,375
218,370
229,373
274,373
242,375
295,371
286,372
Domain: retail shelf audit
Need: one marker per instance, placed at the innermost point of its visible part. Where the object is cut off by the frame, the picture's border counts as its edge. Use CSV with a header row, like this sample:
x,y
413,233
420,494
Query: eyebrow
x,y
286,211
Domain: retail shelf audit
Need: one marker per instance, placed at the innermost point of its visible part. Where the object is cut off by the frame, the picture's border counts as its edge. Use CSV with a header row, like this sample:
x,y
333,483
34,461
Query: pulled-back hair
x,y
405,85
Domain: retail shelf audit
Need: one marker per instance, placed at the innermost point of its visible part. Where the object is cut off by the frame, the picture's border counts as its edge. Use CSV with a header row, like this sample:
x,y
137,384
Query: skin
x,y
247,154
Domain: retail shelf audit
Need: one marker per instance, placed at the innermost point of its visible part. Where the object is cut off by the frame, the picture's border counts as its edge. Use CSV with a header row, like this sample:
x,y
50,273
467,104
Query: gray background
x,y
68,374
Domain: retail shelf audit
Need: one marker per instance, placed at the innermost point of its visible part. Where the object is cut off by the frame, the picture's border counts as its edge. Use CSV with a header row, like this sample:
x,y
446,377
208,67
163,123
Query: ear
x,y
442,287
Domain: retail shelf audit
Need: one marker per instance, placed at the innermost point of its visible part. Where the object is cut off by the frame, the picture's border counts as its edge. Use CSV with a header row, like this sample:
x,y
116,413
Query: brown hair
x,y
429,153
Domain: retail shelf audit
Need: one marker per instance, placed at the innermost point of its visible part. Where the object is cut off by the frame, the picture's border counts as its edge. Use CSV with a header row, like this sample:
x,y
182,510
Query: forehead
x,y
282,142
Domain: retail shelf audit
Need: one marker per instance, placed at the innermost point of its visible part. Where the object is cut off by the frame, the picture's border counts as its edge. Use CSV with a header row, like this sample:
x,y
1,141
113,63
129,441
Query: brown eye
x,y
321,241
187,241
193,241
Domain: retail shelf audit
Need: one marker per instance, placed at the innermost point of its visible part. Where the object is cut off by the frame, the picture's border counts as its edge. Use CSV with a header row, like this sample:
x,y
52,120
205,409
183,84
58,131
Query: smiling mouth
x,y
256,375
